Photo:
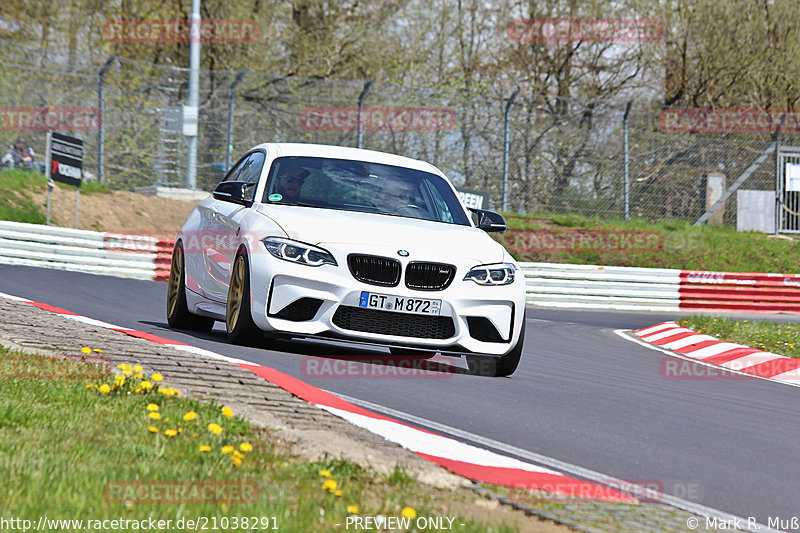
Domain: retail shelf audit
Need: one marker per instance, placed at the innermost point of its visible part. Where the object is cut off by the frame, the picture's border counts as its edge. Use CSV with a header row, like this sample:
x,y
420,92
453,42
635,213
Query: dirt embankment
x,y
116,211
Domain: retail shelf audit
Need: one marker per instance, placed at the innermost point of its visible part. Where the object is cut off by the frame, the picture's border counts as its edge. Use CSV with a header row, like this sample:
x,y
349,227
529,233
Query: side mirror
x,y
233,191
488,221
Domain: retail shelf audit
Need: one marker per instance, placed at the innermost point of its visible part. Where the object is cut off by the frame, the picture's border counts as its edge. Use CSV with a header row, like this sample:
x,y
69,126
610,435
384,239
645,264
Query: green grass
x,y
782,339
68,452
671,244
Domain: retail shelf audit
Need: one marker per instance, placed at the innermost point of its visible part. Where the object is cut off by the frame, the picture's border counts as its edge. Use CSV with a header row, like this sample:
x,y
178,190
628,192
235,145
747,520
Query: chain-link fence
x,y
565,155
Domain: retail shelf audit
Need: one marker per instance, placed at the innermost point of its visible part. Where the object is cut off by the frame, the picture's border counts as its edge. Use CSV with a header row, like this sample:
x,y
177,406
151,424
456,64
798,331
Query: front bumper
x,y
324,301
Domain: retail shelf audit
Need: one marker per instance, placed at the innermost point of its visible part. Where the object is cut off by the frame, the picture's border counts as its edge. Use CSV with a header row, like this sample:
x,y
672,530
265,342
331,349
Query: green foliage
x,y
781,339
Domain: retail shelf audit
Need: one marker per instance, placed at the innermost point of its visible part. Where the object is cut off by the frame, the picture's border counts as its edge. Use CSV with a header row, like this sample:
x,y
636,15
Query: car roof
x,y
345,152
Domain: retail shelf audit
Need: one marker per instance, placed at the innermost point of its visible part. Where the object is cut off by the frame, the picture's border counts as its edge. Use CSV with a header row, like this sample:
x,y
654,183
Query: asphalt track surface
x,y
582,394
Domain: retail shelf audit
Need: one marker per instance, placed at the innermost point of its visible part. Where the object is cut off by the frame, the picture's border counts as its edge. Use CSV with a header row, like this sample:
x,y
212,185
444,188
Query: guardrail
x,y
658,289
113,254
547,284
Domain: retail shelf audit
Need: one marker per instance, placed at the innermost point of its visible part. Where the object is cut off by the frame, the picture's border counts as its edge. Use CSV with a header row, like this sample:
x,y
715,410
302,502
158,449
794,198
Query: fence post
x,y
360,133
231,98
509,103
101,108
627,199
190,114
779,179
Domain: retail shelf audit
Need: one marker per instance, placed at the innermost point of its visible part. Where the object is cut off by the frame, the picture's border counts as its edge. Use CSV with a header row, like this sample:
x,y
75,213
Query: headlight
x,y
298,252
499,274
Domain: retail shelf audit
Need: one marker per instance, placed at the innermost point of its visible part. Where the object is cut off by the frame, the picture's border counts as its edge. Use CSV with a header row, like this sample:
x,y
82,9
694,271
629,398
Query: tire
x,y
238,320
178,315
411,352
503,366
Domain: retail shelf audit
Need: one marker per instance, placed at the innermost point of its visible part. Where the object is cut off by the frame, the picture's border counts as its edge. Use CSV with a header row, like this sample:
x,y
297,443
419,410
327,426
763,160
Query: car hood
x,y
352,230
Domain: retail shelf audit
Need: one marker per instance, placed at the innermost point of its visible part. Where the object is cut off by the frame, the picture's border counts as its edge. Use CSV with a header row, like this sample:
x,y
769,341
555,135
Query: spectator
x,y
20,156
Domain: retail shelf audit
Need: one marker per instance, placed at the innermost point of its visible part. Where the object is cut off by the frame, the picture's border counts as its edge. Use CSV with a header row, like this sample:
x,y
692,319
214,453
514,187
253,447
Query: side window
x,y
251,168
248,170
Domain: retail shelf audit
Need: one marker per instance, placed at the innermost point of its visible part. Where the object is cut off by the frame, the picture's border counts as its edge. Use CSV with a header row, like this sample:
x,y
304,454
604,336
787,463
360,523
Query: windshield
x,y
361,186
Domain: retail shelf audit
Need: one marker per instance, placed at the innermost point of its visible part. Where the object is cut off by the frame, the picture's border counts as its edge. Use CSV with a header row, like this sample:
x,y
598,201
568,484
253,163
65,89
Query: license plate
x,y
400,304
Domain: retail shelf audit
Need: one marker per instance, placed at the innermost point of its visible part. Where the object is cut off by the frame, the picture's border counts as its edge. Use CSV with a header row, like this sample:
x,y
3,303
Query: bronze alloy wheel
x,y
175,276
235,294
178,315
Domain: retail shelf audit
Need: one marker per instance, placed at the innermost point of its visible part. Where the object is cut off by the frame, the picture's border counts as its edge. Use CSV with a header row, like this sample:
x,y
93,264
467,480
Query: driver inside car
x,y
398,197
288,184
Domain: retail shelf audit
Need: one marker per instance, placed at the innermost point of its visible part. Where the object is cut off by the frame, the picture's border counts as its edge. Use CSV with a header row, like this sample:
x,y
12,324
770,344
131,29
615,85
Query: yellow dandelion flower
x,y
408,512
236,461
205,448
146,385
86,349
216,429
227,412
170,433
339,492
127,372
97,350
156,377
188,417
138,375
119,380
237,453
104,389
325,473
91,386
152,429
124,366
137,390
227,449
352,509
154,415
246,447
138,369
330,485
152,407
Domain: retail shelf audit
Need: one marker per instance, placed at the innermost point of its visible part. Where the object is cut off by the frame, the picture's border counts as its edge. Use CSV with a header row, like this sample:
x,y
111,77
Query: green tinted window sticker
x,y
275,197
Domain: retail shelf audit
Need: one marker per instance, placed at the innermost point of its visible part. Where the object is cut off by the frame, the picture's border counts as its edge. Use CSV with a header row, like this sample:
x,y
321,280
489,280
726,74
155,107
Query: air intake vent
x,y
429,276
300,310
482,329
374,270
391,323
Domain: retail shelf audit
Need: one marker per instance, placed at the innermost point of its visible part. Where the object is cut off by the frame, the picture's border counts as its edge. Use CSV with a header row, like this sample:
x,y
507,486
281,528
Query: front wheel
x,y
178,315
238,321
505,365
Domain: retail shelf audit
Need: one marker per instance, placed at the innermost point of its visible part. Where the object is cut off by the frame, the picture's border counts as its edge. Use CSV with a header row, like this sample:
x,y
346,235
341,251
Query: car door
x,y
224,231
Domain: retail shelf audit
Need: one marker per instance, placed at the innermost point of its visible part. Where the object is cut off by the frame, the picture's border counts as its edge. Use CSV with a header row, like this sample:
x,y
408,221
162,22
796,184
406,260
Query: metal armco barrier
x,y
602,287
547,284
112,254
733,291
659,289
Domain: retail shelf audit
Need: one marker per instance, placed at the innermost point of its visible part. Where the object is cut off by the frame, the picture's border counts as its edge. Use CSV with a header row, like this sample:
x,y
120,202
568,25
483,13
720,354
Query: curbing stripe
x,y
726,355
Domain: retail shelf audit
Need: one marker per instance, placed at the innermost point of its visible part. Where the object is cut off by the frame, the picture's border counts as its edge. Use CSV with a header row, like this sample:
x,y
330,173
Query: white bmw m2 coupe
x,y
312,241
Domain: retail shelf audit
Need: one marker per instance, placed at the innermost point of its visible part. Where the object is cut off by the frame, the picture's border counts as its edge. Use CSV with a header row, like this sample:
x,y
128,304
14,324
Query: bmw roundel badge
x,y
402,253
